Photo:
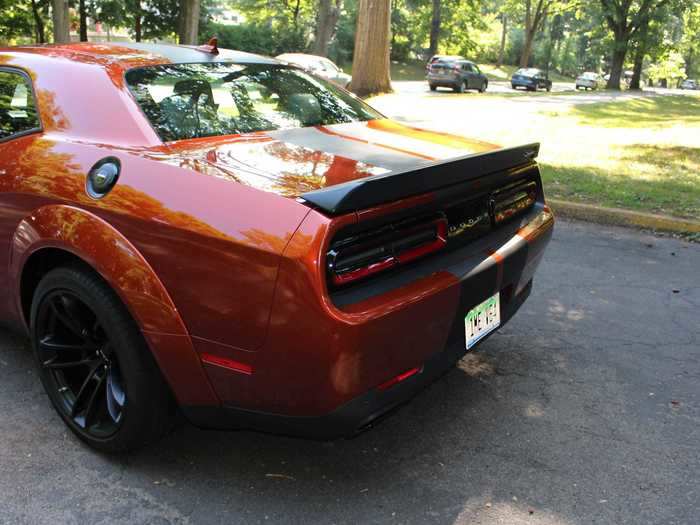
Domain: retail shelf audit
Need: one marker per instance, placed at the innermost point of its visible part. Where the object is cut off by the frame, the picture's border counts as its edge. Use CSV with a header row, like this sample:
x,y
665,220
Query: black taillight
x,y
511,202
363,255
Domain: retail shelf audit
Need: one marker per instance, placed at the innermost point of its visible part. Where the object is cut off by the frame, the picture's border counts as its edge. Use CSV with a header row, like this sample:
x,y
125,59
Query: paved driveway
x,y
584,409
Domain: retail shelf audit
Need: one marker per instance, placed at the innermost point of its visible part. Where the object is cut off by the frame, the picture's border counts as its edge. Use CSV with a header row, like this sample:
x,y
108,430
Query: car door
x,y
479,77
19,128
468,74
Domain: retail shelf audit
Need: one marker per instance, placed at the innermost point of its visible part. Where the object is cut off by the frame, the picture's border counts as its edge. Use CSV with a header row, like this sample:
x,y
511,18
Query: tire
x,y
433,87
459,88
94,363
549,88
484,86
513,86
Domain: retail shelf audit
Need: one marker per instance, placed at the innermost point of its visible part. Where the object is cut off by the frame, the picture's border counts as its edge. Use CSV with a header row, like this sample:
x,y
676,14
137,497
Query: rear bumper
x,y
355,416
319,373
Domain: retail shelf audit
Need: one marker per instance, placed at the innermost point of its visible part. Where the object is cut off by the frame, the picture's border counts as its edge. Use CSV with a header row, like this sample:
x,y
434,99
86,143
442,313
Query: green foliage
x,y
17,23
257,37
670,67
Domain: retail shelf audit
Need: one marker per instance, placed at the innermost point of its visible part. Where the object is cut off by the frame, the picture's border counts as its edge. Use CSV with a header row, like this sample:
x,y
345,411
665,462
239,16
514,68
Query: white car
x,y
320,66
588,80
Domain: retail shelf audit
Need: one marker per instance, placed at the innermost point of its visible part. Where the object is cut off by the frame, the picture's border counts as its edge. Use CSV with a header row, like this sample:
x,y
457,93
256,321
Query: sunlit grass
x,y
636,153
644,112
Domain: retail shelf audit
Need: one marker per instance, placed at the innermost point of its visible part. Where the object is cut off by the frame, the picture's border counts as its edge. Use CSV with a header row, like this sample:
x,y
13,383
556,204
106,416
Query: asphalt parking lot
x,y
584,409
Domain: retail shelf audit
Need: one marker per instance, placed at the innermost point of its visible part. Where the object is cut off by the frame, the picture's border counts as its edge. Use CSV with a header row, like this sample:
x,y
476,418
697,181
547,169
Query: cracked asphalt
x,y
584,409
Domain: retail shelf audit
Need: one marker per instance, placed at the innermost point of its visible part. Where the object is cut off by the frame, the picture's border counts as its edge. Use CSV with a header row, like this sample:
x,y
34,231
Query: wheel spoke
x,y
86,389
54,364
47,343
92,402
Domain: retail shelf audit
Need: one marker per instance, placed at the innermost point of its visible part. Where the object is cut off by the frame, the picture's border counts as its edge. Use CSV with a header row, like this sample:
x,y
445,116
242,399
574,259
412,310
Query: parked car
x,y
228,235
690,84
460,75
588,80
320,66
531,79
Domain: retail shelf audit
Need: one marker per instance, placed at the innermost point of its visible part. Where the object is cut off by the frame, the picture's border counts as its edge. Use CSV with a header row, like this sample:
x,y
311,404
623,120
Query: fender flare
x,y
99,245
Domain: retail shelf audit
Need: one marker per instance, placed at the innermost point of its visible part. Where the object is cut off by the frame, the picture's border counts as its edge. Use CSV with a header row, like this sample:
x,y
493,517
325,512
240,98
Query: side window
x,y
17,111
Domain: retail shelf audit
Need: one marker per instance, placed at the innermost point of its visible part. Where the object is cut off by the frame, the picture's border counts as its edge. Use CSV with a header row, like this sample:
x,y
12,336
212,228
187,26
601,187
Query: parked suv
x,y
690,84
531,79
459,75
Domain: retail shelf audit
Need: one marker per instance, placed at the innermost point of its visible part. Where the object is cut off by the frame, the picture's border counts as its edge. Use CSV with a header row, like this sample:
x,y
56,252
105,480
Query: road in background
x,y
585,408
412,87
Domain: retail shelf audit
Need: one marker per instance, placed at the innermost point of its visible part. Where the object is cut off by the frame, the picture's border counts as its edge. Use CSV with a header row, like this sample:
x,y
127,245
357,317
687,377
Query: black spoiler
x,y
379,189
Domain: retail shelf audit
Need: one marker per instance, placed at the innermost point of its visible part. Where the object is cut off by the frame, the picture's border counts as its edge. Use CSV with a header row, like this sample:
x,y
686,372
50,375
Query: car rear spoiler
x,y
379,189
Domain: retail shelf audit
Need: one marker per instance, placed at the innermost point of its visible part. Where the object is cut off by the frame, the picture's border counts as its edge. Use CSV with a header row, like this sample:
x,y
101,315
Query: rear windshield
x,y
529,72
185,101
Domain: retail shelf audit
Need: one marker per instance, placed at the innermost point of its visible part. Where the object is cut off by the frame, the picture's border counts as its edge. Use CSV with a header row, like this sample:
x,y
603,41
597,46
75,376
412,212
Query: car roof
x,y
302,56
128,55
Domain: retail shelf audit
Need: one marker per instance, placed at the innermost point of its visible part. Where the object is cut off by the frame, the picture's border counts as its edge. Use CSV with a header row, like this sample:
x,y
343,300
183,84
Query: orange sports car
x,y
215,232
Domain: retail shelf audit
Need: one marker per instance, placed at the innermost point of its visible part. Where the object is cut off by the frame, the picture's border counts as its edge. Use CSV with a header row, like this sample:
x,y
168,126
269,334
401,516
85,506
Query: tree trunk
x,y
326,23
39,27
189,22
639,55
504,34
61,21
435,24
138,29
617,63
527,48
82,13
370,67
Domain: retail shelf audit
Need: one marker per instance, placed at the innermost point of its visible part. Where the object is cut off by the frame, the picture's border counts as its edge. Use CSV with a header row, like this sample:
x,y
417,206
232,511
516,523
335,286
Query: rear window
x,y
527,72
185,101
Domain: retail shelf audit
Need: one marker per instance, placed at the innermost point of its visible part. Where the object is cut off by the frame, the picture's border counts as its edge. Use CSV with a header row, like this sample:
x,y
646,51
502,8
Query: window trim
x,y
30,131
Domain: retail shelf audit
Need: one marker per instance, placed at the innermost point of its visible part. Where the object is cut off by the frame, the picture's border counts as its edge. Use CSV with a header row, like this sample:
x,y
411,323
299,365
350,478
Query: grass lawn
x,y
637,153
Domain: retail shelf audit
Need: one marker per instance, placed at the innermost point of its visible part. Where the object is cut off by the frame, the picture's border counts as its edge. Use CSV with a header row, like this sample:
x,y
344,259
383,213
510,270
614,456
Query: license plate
x,y
482,320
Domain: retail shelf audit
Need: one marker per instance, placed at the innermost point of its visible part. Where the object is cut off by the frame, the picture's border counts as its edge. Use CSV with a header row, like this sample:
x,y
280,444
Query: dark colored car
x,y
689,84
531,79
230,237
460,75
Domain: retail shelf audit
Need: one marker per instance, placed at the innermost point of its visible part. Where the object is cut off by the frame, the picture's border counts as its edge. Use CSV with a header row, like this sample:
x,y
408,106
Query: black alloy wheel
x,y
79,364
95,365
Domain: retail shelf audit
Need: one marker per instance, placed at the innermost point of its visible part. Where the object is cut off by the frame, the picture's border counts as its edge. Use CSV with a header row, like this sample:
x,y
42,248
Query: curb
x,y
620,217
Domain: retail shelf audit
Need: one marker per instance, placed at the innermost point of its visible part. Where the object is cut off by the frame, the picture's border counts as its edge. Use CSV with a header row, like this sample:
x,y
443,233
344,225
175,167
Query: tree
x,y
435,26
534,20
625,18
189,22
39,25
504,35
370,66
82,14
61,21
326,24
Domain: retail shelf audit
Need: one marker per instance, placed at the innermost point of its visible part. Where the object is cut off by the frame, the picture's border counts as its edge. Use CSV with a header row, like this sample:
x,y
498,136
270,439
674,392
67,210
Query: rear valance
x,y
380,189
